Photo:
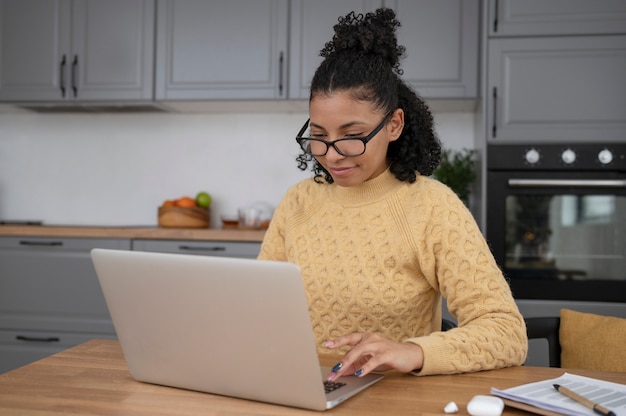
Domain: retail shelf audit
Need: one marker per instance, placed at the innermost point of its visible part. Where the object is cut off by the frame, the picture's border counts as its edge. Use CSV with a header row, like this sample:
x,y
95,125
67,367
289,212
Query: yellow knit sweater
x,y
378,257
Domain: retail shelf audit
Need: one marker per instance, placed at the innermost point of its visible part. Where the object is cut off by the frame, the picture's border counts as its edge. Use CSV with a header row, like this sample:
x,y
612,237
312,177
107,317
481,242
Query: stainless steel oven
x,y
556,219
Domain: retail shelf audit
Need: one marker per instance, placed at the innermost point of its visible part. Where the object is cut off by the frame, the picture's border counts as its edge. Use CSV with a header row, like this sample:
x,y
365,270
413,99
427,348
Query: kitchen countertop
x,y
132,232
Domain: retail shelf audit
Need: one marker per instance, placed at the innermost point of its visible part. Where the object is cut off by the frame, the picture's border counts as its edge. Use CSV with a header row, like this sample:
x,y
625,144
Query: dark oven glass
x,y
559,234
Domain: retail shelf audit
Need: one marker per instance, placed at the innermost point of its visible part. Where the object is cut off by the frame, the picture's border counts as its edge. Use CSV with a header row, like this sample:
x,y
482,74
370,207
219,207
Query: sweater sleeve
x,y
457,261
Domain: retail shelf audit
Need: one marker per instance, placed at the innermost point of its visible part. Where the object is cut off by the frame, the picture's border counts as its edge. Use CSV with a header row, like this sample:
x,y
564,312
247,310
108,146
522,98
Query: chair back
x,y
546,327
447,324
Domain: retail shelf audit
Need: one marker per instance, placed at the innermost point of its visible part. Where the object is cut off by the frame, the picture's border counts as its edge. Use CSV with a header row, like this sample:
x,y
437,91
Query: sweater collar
x,y
369,191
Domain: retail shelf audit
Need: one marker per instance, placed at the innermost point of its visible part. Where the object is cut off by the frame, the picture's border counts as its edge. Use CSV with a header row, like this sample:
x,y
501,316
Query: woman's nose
x,y
332,154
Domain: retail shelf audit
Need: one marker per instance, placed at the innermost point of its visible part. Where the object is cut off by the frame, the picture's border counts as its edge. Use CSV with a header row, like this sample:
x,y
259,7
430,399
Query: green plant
x,y
457,170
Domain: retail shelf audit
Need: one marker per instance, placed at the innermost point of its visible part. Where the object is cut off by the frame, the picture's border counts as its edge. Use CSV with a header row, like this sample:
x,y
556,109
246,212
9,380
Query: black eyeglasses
x,y
347,146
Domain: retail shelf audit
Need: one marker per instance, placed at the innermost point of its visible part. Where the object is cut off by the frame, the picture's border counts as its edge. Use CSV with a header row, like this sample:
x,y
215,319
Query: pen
x,y
601,410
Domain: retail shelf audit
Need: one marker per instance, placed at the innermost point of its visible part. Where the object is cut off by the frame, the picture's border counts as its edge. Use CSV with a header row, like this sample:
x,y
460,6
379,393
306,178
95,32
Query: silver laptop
x,y
233,327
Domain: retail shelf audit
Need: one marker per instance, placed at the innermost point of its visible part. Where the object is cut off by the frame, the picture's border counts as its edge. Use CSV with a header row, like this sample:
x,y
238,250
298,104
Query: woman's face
x,y
337,116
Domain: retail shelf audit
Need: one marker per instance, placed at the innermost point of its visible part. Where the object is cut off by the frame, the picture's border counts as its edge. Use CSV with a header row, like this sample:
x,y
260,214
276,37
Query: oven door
x,y
559,235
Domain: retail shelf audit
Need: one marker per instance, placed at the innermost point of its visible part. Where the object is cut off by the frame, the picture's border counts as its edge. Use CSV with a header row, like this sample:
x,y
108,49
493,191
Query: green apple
x,y
203,200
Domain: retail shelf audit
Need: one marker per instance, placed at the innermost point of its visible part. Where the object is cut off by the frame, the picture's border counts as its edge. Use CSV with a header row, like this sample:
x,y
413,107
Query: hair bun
x,y
369,34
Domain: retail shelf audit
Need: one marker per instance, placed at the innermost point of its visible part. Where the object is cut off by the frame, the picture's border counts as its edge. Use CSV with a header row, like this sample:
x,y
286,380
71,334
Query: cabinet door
x,y
311,26
19,347
556,17
441,40
34,48
559,89
76,50
205,248
221,49
112,50
50,284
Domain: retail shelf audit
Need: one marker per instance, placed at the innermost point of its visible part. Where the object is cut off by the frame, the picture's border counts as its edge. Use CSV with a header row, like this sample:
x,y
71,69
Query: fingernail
x,y
337,367
329,344
358,372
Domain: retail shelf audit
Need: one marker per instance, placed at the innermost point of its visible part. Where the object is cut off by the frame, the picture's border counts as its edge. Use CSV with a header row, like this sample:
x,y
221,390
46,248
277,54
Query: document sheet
x,y
542,395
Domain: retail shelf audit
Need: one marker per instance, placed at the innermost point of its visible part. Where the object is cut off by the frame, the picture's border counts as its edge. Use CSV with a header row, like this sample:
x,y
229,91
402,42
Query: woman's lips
x,y
340,171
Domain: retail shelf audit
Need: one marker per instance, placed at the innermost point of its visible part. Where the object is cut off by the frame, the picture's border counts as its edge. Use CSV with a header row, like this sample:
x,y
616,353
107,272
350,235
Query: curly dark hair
x,y
363,59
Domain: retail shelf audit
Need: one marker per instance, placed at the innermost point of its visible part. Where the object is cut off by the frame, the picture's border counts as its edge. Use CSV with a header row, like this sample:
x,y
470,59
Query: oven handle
x,y
577,183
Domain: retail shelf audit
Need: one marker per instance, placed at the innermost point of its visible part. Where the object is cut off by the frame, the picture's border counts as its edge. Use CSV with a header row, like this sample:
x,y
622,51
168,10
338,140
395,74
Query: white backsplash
x,y
116,169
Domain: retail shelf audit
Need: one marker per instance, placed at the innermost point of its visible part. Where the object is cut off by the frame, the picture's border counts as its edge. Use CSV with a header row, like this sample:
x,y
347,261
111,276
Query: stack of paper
x,y
541,395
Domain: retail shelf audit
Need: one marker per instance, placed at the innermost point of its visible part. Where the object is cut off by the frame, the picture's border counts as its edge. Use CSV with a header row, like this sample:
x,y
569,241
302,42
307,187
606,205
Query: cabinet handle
x,y
41,243
494,128
281,62
74,66
37,339
571,183
496,11
212,248
62,75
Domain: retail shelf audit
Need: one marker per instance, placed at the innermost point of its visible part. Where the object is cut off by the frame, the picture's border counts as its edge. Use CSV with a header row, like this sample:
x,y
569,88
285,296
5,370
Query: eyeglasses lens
x,y
346,147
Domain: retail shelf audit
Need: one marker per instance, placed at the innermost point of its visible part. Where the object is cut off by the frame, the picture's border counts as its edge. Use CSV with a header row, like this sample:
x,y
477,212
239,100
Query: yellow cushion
x,y
592,342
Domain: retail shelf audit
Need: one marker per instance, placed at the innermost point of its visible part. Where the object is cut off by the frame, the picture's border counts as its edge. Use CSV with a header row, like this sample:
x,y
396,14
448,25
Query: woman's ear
x,y
396,124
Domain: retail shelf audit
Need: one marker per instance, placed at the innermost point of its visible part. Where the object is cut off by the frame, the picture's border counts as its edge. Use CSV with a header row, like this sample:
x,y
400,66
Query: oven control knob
x,y
532,156
568,156
605,156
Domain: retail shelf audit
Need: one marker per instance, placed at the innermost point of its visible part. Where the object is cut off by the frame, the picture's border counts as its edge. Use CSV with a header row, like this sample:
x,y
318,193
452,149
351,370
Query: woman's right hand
x,y
372,352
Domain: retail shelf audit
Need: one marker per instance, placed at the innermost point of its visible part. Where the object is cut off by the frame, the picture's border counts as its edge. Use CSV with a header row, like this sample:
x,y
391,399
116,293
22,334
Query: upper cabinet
x,y
557,89
441,40
311,27
555,71
64,50
234,49
556,17
60,51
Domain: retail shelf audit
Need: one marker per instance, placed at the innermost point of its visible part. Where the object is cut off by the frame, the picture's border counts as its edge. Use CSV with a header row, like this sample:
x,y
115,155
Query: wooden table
x,y
92,378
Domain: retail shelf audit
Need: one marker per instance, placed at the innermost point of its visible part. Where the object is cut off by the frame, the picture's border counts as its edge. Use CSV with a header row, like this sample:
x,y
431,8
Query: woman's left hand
x,y
371,352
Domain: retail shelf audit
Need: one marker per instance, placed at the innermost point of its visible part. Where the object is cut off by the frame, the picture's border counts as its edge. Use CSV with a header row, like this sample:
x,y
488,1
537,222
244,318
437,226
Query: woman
x,y
378,241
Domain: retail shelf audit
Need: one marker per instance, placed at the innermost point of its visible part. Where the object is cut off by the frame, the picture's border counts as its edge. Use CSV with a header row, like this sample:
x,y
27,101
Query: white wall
x,y
116,169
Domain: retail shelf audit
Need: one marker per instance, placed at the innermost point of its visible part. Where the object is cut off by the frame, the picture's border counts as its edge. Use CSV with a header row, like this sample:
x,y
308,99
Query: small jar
x,y
255,216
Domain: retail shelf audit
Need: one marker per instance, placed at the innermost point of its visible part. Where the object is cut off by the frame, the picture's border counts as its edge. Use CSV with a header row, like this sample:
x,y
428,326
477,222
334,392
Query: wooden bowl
x,y
180,217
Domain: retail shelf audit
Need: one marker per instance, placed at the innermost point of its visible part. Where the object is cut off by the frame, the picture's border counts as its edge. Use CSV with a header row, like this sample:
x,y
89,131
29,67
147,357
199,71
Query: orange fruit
x,y
168,203
185,202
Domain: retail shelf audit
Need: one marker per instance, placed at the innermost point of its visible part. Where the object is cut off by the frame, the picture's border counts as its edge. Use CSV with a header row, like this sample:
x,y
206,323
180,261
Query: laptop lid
x,y
234,327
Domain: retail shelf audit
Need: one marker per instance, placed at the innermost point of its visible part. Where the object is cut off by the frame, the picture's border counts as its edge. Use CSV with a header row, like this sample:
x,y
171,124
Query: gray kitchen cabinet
x,y
441,40
311,26
50,298
241,249
76,50
556,17
21,347
559,89
221,50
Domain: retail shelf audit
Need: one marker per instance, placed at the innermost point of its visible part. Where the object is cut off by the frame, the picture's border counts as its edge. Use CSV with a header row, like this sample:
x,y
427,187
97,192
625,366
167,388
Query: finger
x,y
346,365
354,360
403,357
341,368
365,364
344,340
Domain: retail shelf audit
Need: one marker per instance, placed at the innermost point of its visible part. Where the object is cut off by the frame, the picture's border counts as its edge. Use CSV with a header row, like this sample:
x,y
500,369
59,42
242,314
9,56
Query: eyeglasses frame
x,y
365,139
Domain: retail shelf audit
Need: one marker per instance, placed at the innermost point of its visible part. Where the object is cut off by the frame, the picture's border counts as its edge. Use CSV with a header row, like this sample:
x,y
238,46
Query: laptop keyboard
x,y
332,386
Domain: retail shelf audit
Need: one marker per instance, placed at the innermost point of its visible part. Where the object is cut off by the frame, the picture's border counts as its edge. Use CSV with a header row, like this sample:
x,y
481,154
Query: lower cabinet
x,y
19,347
242,249
50,298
